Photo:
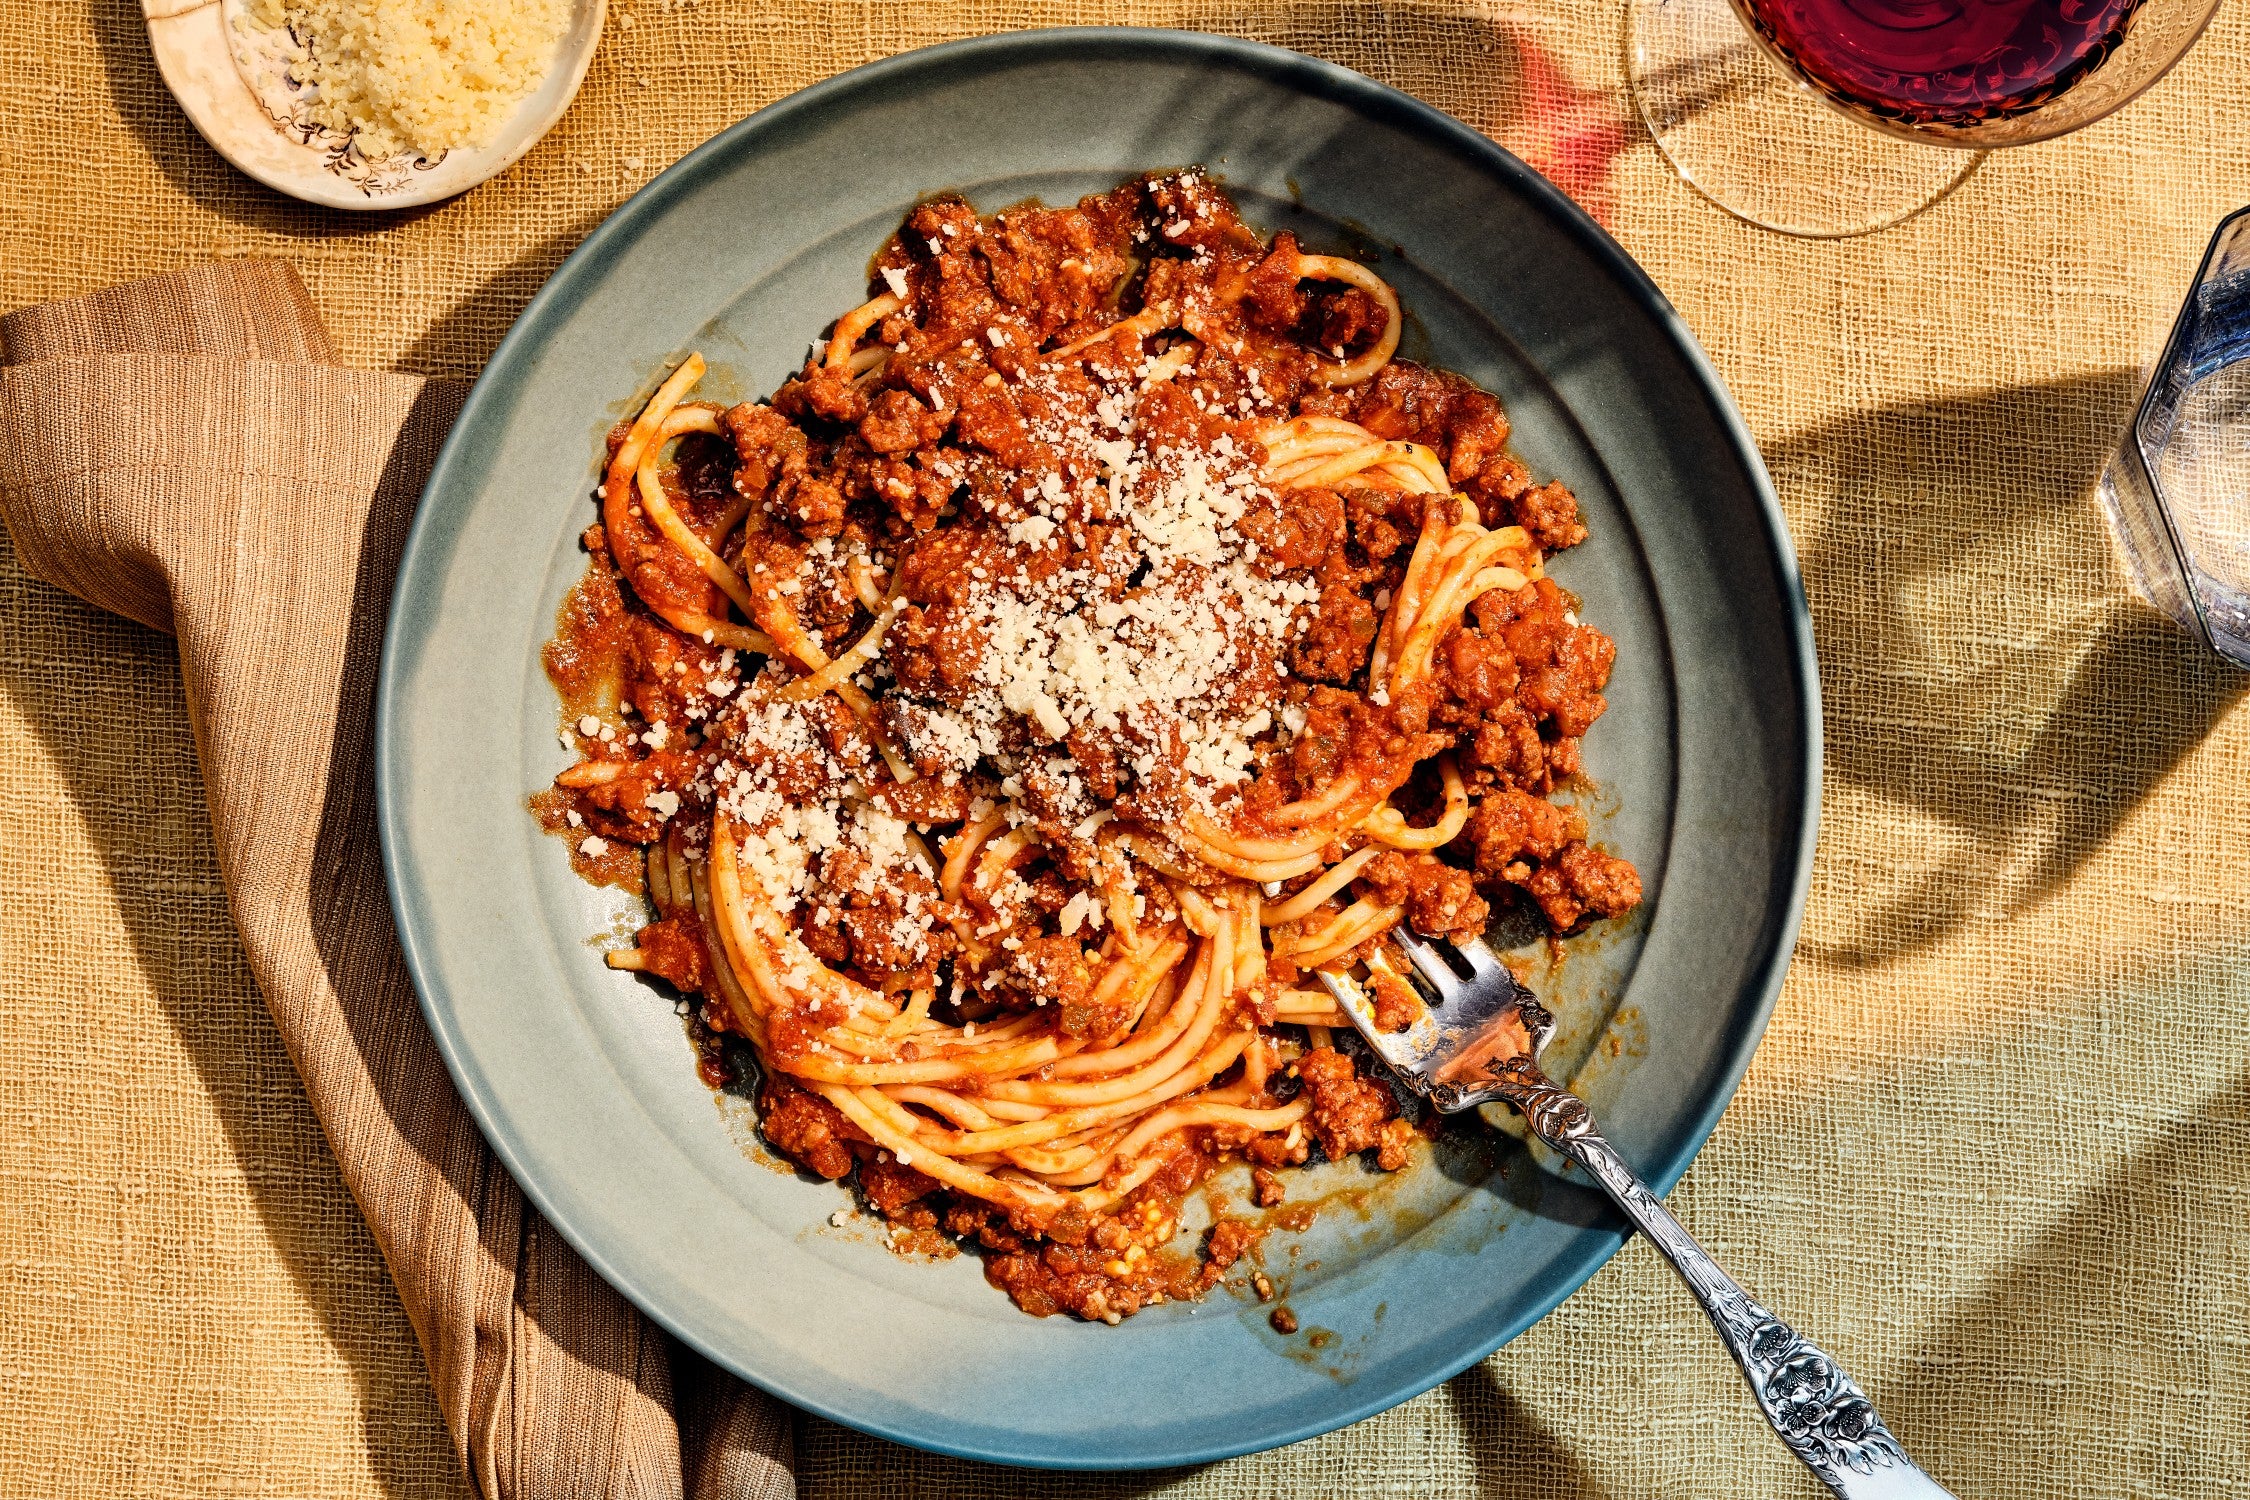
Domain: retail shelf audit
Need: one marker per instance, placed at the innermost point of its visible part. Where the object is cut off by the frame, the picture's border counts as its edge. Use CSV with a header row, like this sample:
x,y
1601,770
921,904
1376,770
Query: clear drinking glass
x,y
2178,488
1834,117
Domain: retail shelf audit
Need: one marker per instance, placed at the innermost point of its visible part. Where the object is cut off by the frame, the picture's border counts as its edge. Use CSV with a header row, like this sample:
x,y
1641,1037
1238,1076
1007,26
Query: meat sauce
x,y
918,468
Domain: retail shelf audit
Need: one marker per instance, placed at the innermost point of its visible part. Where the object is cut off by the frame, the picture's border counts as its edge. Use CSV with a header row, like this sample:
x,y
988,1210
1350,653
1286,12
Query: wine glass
x,y
1828,118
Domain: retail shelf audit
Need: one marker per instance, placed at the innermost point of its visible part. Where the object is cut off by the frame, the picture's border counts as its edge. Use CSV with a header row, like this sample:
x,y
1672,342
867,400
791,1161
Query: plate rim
x,y
1319,79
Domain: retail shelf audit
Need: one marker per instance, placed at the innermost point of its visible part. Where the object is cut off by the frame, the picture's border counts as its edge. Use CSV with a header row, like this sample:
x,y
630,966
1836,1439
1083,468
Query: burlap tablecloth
x,y
1994,1151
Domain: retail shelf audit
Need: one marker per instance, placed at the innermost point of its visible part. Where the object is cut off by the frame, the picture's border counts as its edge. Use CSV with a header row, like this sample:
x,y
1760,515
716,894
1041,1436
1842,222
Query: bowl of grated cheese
x,y
373,104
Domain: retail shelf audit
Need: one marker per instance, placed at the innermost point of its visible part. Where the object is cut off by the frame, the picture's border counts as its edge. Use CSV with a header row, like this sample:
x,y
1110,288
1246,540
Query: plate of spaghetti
x,y
935,660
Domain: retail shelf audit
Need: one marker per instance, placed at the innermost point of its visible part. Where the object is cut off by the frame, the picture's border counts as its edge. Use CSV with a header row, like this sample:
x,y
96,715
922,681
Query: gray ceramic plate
x,y
582,1078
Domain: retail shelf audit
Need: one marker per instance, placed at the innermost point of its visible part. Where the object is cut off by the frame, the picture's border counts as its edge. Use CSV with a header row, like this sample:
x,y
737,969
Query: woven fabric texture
x,y
163,464
1994,1152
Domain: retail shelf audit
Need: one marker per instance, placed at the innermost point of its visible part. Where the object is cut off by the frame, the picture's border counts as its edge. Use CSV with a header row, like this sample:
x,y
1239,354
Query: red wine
x,y
1942,62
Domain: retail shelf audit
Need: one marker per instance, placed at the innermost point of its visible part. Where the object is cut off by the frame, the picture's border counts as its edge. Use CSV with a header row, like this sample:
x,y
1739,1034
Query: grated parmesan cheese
x,y
1081,910
1163,637
426,76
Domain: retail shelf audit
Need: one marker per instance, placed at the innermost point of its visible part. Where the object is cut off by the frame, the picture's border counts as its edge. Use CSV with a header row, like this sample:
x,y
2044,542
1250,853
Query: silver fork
x,y
1477,1041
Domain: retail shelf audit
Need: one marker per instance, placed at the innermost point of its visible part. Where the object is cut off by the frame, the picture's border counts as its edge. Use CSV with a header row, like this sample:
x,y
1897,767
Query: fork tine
x,y
1428,960
1480,958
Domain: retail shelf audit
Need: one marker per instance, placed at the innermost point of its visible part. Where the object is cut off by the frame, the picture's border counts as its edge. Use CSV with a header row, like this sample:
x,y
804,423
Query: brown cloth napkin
x,y
186,451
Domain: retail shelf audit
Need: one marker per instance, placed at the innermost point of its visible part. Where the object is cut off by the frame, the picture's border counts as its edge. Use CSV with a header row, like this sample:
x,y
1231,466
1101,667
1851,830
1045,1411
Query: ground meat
x,y
821,927
672,949
1294,530
896,1191
1348,1113
1383,522
1344,732
989,419
1114,1266
1506,751
669,676
1397,1007
712,1065
1550,514
927,799
1408,402
1440,901
660,575
769,449
1336,646
625,800
1347,320
913,728
940,568
876,926
815,505
1266,1188
1274,296
1052,265
896,422
1197,214
1564,672
1317,753
974,1221
1480,674
934,651
805,1127
1229,1241
1476,431
1582,881
1041,971
1509,827
822,395
1496,487
1534,676
1393,1145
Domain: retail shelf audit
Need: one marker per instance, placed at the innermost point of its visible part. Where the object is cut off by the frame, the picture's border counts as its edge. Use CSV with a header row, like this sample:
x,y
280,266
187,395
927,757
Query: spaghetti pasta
x,y
1102,632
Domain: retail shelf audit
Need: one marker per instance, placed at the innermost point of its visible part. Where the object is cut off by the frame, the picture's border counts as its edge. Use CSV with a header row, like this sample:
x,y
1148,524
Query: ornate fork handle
x,y
1819,1411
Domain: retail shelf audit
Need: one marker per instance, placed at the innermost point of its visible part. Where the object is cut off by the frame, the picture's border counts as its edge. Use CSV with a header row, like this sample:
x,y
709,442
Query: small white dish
x,y
239,97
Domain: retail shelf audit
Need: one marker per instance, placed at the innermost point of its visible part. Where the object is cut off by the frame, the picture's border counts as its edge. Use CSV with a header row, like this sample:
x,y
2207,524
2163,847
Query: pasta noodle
x,y
1102,633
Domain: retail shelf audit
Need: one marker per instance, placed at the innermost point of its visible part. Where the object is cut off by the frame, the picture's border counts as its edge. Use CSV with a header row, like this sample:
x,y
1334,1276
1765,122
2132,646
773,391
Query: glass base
x,y
1761,145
